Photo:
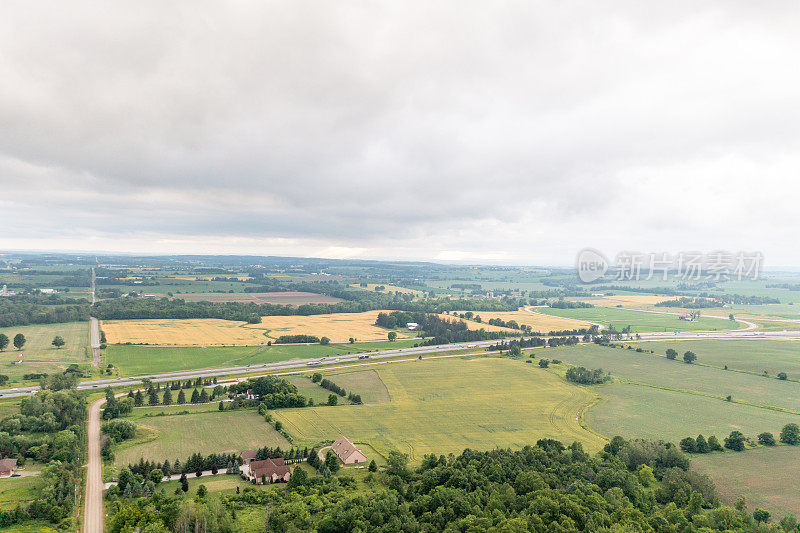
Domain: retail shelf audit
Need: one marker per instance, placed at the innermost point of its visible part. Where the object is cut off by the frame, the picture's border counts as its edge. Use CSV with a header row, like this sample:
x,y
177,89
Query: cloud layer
x,y
519,132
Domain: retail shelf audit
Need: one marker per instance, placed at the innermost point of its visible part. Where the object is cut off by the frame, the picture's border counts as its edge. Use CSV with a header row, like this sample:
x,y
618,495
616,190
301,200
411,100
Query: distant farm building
x,y
5,292
7,467
47,291
267,471
412,325
348,452
688,318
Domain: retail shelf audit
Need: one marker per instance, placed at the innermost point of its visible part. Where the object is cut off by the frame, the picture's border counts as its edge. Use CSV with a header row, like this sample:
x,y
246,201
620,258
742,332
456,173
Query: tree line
x,y
23,310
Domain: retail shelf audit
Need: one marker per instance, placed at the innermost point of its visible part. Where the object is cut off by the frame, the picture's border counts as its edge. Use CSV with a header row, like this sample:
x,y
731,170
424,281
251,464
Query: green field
x,y
661,372
17,490
640,321
766,477
446,405
138,360
367,383
204,430
225,483
636,411
752,355
39,355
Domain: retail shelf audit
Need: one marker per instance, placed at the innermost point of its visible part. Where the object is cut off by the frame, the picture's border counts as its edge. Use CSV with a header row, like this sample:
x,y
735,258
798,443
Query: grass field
x,y
640,321
753,355
766,477
446,405
138,360
284,298
338,327
177,436
539,322
627,300
17,490
661,372
636,411
39,355
367,383
388,288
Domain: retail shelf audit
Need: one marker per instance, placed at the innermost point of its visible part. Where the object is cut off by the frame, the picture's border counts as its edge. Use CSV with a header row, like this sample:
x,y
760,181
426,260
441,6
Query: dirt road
x,y
93,508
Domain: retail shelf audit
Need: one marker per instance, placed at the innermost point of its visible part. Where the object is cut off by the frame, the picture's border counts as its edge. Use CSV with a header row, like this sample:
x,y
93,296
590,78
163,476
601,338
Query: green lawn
x,y
138,360
636,411
446,405
14,490
640,321
661,372
753,355
224,483
177,436
367,383
766,477
40,356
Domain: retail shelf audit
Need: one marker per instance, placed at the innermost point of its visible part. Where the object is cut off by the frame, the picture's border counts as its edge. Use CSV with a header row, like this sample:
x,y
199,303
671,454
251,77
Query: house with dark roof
x,y
248,456
348,452
267,471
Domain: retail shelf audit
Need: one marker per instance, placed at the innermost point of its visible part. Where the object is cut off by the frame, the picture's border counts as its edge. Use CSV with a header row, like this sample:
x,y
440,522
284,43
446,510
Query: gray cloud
x,y
517,132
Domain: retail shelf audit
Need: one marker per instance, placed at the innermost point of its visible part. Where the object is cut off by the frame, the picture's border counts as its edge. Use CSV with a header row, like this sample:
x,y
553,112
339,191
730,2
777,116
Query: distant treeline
x,y
24,309
690,303
564,304
435,329
789,286
361,301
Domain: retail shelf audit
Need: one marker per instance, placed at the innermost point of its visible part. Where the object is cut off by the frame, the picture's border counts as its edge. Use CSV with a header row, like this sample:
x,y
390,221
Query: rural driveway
x,y
93,507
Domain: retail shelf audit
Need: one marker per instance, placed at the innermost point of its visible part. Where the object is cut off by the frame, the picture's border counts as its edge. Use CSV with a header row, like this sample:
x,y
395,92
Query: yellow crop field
x,y
472,325
178,331
628,300
538,321
338,327
388,288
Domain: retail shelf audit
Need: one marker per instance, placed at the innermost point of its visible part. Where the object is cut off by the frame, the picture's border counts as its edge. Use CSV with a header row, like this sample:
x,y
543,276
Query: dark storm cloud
x,y
452,126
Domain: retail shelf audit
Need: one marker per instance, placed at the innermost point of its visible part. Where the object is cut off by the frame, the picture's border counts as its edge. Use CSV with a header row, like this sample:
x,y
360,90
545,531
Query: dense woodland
x,y
25,309
629,486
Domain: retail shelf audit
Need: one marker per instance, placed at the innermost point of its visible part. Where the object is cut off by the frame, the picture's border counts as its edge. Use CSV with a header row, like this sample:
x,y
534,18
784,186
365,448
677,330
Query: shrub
x,y
766,439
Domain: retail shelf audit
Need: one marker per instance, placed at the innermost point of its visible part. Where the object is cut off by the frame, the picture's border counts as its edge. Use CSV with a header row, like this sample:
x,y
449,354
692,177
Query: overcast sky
x,y
468,131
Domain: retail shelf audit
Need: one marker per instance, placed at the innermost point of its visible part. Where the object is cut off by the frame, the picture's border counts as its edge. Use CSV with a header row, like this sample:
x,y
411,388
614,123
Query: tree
x,y
331,461
316,377
766,439
203,396
202,491
782,376
58,342
195,396
333,399
138,399
156,475
214,469
689,357
790,434
761,515
544,363
181,397
701,444
735,441
714,445
299,478
324,341
689,445
167,399
671,354
352,340
3,379
373,466
392,335
3,341
19,341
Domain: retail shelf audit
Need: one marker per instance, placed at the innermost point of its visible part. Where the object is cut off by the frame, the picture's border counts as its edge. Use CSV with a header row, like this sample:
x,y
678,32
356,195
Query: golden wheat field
x,y
628,300
338,327
178,331
539,322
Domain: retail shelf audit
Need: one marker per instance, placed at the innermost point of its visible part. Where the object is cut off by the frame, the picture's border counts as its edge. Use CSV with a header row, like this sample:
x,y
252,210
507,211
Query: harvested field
x,y
199,331
338,327
628,300
538,321
283,298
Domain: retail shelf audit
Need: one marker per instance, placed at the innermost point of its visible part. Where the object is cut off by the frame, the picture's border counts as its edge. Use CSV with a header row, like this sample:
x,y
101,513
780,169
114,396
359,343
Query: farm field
x,y
446,405
661,372
388,288
752,355
338,327
177,436
639,321
637,411
138,360
367,383
198,331
475,326
40,356
17,490
766,477
627,300
38,344
539,322
285,298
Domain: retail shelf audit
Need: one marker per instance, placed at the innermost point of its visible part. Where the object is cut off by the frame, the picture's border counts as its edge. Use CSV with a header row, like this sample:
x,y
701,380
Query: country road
x,y
93,506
